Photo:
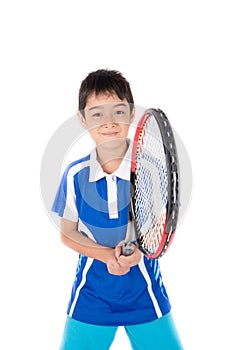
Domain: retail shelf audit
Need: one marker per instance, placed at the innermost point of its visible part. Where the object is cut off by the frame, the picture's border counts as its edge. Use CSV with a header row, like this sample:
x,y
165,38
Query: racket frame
x,y
173,184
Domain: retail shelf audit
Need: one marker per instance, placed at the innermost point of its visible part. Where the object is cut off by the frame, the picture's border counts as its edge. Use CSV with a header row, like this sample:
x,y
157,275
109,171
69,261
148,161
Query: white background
x,y
178,56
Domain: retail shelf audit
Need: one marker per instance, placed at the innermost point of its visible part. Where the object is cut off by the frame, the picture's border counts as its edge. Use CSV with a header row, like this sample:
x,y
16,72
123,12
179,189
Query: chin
x,y
113,142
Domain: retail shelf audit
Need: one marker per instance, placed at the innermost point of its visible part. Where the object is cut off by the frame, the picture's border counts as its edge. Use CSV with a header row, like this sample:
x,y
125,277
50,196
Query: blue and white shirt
x,y
99,202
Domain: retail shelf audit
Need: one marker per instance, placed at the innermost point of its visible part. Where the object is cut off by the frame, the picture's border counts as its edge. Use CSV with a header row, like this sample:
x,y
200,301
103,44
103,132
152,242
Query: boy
x,y
110,289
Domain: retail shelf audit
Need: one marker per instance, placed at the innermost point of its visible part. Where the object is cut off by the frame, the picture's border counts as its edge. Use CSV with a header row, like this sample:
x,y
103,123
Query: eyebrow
x,y
102,106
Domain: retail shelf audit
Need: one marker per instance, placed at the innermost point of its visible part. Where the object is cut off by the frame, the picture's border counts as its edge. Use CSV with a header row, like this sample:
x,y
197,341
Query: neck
x,y
110,158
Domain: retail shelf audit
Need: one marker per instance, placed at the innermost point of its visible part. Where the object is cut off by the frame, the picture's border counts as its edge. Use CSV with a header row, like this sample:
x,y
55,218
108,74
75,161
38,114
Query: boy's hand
x,y
118,264
113,266
129,260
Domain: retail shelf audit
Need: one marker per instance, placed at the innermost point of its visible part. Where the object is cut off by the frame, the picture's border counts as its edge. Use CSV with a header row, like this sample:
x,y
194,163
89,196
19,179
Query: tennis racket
x,y
154,194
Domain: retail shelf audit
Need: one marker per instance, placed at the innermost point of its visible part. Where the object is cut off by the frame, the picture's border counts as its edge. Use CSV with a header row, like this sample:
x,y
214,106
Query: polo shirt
x,y
99,202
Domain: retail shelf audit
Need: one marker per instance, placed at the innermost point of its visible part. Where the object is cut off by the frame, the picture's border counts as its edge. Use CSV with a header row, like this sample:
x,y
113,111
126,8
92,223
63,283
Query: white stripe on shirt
x,y
70,210
85,271
112,196
149,287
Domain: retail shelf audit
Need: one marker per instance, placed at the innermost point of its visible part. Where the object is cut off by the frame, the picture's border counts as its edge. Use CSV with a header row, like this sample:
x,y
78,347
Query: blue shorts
x,y
160,334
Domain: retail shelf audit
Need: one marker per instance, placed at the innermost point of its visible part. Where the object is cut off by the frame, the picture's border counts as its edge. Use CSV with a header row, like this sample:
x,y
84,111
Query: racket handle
x,y
127,248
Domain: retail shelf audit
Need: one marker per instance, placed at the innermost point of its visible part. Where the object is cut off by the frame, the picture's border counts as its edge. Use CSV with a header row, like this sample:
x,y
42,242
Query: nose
x,y
110,121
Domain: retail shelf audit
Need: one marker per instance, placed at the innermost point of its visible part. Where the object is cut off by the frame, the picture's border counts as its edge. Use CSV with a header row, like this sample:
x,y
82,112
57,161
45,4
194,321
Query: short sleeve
x,y
65,200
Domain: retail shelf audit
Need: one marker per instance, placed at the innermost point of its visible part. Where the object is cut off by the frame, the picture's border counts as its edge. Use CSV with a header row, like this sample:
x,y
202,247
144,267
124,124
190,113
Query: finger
x,y
118,249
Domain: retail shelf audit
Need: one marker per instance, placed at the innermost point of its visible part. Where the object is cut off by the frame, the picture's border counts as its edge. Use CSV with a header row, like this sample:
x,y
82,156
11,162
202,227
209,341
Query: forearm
x,y
75,240
85,246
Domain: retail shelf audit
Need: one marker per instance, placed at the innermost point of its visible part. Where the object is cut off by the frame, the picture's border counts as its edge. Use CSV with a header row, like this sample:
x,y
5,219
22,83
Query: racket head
x,y
154,183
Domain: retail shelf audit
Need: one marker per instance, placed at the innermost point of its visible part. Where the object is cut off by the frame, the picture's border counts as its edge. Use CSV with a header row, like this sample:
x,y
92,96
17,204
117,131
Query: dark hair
x,y
105,81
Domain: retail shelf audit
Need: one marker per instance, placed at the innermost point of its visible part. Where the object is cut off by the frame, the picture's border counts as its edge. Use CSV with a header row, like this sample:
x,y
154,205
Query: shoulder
x,y
77,165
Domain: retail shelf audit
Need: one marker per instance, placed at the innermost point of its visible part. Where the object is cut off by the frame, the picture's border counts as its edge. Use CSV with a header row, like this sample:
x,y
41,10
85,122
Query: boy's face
x,y
107,118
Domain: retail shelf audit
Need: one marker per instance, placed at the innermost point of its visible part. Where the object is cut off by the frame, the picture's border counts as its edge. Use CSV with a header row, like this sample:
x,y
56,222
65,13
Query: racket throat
x,y
130,238
131,232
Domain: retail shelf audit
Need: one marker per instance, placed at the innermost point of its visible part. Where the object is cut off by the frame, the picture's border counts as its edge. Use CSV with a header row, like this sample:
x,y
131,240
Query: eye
x,y
120,113
97,115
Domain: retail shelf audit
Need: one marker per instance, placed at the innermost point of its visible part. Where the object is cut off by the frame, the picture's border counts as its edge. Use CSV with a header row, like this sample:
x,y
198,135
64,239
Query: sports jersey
x,y
99,202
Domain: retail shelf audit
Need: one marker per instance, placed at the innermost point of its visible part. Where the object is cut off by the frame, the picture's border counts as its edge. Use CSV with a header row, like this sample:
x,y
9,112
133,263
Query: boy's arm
x,y
75,240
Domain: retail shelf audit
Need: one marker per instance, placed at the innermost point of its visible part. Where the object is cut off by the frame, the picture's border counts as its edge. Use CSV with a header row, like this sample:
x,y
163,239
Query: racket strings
x,y
151,182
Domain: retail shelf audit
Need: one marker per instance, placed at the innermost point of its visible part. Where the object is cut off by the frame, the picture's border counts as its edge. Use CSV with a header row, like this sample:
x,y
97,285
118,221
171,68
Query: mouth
x,y
110,134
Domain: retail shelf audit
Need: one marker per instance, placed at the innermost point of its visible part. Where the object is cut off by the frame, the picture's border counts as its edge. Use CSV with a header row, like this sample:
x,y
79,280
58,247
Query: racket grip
x,y
127,248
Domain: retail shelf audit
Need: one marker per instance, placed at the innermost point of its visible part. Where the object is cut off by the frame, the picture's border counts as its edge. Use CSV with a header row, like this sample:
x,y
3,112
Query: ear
x,y
82,119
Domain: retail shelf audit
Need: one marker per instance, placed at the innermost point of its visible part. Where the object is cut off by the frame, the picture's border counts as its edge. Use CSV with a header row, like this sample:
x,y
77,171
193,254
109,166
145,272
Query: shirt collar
x,y
123,172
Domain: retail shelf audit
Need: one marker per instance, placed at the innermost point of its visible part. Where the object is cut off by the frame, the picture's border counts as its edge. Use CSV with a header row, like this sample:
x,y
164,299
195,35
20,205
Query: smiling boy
x,y
110,289
107,118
